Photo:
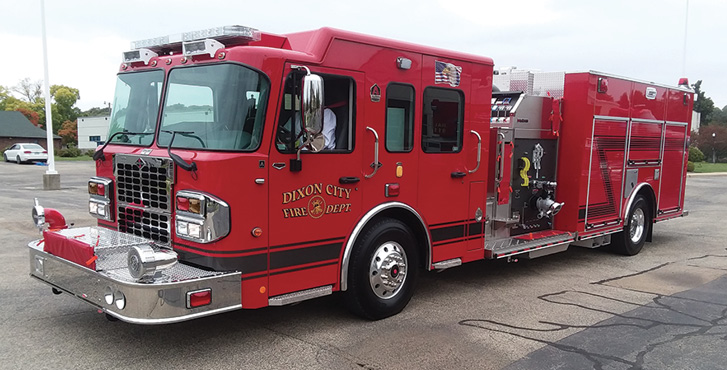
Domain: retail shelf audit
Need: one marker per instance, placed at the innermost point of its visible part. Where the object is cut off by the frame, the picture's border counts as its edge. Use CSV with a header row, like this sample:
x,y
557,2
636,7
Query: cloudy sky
x,y
642,39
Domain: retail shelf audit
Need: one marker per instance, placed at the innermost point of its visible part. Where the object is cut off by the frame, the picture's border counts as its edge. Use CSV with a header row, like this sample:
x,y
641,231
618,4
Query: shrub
x,y
690,166
695,155
89,152
69,152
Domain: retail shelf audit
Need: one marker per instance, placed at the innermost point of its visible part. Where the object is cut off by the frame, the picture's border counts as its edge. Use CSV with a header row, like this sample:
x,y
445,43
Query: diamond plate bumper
x,y
164,300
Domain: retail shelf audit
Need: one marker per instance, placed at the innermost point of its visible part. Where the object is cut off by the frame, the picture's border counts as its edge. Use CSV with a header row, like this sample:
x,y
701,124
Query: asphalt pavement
x,y
665,308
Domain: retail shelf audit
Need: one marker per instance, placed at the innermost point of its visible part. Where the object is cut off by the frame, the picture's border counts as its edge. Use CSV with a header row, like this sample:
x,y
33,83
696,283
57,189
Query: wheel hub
x,y
387,271
636,226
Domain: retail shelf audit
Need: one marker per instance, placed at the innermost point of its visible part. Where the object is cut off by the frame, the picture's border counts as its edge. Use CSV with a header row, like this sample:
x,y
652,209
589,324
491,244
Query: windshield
x,y
136,106
218,107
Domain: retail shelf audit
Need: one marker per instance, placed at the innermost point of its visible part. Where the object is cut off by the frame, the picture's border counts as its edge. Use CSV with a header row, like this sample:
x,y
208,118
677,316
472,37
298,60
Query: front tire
x,y
638,225
383,270
5,157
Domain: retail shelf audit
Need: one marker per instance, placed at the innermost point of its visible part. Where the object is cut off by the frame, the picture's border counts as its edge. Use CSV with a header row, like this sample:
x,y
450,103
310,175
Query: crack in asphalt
x,y
698,328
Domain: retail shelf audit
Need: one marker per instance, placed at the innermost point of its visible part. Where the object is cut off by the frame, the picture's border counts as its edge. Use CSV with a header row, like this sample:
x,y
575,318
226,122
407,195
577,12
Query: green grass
x,y
706,167
79,158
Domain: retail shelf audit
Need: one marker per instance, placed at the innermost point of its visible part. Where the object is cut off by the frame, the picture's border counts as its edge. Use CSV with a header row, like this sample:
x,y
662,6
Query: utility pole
x,y
51,178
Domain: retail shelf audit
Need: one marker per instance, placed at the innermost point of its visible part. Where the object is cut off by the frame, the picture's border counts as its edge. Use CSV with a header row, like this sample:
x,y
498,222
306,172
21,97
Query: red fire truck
x,y
246,169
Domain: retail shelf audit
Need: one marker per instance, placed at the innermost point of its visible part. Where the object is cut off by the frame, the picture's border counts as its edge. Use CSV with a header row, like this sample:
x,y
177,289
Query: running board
x,y
302,295
454,262
530,243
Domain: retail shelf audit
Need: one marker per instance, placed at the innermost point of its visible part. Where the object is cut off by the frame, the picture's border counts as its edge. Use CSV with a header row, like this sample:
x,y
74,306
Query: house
x,y
92,131
15,128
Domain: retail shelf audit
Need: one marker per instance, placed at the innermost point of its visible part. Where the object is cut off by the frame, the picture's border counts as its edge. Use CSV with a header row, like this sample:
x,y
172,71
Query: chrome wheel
x,y
636,226
388,269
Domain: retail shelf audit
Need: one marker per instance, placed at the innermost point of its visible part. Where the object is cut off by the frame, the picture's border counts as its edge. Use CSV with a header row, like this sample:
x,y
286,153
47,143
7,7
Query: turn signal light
x,y
93,188
199,298
101,190
194,205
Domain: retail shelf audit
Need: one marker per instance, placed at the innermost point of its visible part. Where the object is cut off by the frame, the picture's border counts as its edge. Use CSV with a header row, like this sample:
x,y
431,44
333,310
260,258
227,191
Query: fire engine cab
x,y
245,169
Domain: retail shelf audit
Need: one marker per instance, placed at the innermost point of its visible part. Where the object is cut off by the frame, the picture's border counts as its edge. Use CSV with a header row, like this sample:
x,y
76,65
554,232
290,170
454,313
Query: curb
x,y
693,174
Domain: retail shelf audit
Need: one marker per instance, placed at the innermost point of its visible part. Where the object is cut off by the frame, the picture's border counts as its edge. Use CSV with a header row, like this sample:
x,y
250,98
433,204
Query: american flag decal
x,y
446,73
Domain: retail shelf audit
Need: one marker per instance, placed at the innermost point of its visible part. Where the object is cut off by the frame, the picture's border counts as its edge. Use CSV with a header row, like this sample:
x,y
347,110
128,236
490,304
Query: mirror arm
x,y
189,167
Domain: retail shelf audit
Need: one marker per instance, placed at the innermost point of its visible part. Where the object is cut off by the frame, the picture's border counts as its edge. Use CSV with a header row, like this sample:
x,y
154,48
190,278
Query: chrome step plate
x,y
302,295
517,245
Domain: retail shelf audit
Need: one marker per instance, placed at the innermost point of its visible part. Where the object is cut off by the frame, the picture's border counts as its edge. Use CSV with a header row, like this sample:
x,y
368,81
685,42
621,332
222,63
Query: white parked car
x,y
25,152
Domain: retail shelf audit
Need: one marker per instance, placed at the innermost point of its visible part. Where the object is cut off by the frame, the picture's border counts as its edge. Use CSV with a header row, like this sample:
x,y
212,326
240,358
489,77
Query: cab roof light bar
x,y
230,35
139,55
206,46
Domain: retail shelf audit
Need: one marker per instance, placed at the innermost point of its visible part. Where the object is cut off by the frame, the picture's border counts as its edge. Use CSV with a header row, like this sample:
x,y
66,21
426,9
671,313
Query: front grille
x,y
144,195
149,225
144,185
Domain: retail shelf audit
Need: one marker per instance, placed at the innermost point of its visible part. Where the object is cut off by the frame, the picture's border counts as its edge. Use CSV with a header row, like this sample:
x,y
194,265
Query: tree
x,y
31,91
31,115
706,142
69,132
719,116
704,105
63,109
96,111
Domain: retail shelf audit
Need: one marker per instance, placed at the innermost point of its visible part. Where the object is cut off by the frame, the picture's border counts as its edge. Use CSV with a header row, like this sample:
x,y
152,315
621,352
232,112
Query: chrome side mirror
x,y
312,110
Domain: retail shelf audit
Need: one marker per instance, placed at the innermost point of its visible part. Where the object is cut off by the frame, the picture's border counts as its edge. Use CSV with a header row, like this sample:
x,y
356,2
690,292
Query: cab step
x,y
534,244
282,300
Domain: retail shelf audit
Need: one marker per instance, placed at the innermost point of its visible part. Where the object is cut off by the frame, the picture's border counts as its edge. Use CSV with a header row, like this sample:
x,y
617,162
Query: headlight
x,y
201,217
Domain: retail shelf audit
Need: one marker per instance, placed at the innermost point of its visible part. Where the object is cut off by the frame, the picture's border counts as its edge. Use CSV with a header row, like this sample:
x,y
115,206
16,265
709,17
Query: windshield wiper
x,y
177,159
99,153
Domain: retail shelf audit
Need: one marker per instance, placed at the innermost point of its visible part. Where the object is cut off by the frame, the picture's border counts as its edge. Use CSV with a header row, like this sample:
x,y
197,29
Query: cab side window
x,y
442,120
338,117
399,118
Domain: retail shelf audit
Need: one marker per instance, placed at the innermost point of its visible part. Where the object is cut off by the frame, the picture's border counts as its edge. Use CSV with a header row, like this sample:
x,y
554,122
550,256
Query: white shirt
x,y
329,128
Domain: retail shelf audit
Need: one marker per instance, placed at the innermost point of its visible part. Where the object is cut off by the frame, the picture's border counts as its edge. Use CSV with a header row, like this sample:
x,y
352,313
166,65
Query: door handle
x,y
348,180
376,153
457,174
479,150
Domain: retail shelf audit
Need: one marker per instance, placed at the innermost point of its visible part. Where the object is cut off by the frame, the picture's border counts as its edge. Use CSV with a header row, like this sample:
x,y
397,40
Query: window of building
x,y
399,118
94,138
442,120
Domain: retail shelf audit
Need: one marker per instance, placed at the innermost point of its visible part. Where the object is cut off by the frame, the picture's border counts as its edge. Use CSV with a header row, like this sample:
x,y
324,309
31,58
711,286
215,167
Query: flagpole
x,y
51,178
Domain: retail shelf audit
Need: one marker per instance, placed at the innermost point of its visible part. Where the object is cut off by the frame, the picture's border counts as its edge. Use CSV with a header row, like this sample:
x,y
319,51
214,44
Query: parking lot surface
x,y
665,308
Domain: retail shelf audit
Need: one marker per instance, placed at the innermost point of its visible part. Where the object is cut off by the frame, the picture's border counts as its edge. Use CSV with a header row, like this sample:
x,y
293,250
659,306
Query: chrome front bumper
x,y
162,301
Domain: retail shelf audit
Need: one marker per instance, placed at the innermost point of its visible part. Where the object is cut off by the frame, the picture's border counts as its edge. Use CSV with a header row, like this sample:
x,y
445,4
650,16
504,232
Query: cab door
x,y
313,210
443,161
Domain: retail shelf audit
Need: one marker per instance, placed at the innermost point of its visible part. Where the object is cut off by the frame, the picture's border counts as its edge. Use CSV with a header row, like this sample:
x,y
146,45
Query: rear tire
x,y
383,270
17,160
637,226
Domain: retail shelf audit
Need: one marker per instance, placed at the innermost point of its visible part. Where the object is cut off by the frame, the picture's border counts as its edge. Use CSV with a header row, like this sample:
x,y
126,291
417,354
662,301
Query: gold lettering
x,y
319,188
328,189
287,197
348,193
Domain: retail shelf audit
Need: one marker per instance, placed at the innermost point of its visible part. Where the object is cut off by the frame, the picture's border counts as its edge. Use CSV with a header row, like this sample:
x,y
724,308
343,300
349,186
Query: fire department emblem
x,y
316,206
140,163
